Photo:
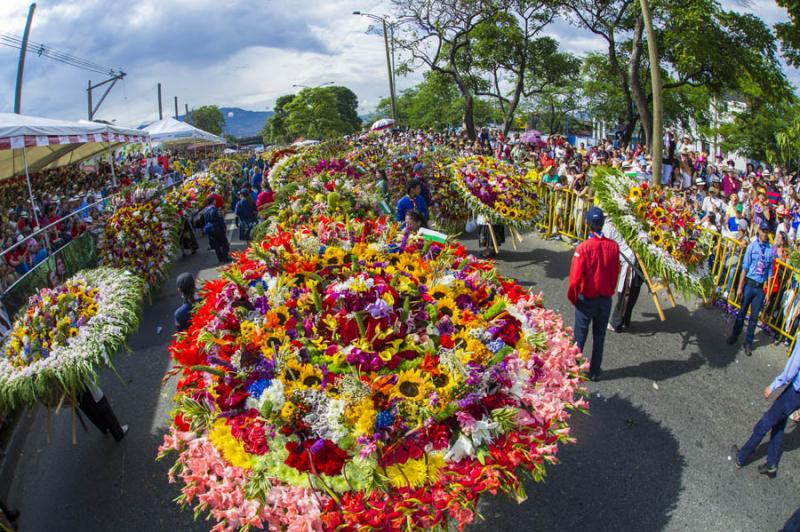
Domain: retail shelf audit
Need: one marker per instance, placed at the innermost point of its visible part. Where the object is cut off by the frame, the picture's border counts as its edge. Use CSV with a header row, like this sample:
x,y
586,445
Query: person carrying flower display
x,y
93,402
217,232
186,288
592,281
756,268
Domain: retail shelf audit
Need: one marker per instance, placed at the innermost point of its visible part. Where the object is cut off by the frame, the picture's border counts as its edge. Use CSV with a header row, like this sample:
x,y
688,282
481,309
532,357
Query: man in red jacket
x,y
592,281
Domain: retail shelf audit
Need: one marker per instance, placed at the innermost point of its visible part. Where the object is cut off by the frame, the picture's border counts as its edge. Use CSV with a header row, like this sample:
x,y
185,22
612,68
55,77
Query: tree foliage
x,y
313,113
789,32
208,118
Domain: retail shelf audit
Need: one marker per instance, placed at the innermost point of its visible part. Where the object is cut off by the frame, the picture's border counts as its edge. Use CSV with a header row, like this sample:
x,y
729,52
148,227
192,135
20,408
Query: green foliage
x,y
768,132
274,131
789,32
313,113
208,118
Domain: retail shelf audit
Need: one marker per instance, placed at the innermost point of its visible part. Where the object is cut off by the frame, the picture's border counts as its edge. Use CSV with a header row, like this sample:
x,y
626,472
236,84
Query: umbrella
x,y
383,123
531,136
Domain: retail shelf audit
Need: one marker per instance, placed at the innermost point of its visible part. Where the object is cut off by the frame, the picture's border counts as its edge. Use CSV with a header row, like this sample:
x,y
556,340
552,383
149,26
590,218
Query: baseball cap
x,y
595,217
764,226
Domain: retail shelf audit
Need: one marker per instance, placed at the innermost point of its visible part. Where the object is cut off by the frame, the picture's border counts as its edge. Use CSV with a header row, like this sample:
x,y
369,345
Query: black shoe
x,y
735,456
594,377
13,515
770,471
748,349
731,340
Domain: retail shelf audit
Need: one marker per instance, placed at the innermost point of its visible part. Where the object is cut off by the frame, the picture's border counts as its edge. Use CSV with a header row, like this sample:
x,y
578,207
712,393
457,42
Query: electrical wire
x,y
43,50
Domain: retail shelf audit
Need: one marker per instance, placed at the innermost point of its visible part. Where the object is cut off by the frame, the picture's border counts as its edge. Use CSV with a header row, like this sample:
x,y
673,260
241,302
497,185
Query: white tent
x,y
171,131
31,144
46,143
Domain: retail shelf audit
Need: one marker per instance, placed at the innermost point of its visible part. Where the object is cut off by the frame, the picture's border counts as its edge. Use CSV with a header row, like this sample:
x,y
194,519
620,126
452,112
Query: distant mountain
x,y
243,123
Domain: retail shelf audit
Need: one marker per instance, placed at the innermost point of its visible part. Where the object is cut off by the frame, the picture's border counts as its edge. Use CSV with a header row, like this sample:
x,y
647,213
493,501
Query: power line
x,y
43,50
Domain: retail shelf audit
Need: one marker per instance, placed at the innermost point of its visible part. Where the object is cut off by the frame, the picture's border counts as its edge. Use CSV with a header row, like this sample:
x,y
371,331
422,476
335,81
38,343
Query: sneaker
x,y
735,456
731,340
766,469
124,432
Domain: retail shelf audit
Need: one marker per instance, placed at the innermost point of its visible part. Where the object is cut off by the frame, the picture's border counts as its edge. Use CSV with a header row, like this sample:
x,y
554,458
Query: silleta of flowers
x,y
497,190
347,375
65,333
141,237
658,226
191,195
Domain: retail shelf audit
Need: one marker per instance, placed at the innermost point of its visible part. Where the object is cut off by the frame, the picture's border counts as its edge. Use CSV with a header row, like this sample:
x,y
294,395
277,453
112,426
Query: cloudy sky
x,y
227,52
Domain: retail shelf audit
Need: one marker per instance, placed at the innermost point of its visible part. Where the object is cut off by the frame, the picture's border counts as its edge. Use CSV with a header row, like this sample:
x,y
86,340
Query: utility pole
x,y
160,112
176,107
389,65
656,150
21,65
186,116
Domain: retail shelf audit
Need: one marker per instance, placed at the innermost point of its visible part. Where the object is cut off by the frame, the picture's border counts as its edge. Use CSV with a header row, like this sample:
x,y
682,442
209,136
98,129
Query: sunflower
x,y
438,292
73,332
447,306
657,237
412,386
334,256
659,212
634,194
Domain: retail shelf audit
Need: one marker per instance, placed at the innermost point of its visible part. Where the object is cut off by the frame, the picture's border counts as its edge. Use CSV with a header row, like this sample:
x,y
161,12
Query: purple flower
x,y
379,309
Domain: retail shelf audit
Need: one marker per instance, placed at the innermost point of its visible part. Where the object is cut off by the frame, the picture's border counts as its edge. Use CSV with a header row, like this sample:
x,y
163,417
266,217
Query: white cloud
x,y
230,53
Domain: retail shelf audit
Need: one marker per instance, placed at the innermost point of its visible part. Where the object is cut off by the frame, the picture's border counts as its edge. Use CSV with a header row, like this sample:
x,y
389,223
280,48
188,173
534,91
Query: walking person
x,y
93,402
774,420
756,268
217,232
592,281
246,214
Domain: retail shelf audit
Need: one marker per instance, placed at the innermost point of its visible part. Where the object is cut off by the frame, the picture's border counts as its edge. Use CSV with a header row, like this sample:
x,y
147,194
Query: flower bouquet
x,y
497,190
657,226
346,376
141,237
64,333
191,195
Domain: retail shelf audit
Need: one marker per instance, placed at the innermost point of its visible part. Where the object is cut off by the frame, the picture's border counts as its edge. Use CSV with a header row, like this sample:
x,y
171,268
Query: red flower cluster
x,y
327,457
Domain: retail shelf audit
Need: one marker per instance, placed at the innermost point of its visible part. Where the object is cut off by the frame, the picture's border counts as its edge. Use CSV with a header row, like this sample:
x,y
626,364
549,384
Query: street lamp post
x,y
314,87
389,56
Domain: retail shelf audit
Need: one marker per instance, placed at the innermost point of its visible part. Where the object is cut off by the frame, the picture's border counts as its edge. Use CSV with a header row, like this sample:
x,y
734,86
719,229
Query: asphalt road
x,y
651,455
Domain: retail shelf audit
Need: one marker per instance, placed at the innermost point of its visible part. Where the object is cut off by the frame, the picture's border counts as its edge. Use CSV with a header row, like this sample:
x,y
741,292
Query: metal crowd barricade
x,y
782,311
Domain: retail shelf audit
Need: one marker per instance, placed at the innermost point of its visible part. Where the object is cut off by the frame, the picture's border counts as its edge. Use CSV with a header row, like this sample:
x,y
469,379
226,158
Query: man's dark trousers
x,y
593,311
753,297
773,420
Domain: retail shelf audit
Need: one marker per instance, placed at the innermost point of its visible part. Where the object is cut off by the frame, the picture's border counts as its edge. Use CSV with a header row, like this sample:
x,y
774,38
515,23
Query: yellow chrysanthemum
x,y
230,448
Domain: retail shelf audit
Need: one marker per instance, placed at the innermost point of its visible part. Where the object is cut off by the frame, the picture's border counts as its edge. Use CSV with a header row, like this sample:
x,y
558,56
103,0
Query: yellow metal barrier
x,y
563,212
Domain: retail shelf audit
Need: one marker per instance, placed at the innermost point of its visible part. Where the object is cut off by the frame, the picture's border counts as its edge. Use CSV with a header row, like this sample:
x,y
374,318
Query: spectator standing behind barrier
x,y
774,420
756,268
592,281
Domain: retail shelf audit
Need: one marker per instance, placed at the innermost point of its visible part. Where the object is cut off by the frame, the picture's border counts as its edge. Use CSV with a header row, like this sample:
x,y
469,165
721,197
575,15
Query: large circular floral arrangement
x,y
662,231
346,375
64,333
327,194
191,195
497,190
141,237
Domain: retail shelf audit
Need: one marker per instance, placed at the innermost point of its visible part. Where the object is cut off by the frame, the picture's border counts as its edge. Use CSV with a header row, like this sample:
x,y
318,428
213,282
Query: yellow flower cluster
x,y
416,473
231,448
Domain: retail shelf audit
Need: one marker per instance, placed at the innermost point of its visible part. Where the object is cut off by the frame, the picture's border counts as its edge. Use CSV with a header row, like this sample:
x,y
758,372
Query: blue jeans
x,y
593,311
773,420
754,299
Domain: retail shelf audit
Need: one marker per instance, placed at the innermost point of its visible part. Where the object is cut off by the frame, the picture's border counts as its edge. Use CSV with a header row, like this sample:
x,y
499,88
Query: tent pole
x,y
30,188
111,160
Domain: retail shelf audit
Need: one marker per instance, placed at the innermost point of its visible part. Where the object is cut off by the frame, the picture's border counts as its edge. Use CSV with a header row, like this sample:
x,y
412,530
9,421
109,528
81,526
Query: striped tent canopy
x,y
47,143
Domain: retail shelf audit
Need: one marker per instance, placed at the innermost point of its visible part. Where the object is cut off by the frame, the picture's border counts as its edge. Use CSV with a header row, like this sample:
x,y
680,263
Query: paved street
x,y
652,454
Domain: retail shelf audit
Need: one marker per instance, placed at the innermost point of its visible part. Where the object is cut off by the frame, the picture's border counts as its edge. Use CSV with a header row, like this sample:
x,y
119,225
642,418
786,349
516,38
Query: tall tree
x,y
274,130
435,102
347,104
208,118
438,34
507,51
314,114
789,32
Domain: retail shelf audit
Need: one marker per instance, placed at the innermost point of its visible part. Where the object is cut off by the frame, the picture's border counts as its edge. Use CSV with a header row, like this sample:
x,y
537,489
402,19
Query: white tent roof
x,y
171,131
50,143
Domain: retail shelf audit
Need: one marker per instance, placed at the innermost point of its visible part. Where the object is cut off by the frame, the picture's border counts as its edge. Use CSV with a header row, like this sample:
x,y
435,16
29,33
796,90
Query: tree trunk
x,y
469,115
639,95
508,120
655,73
